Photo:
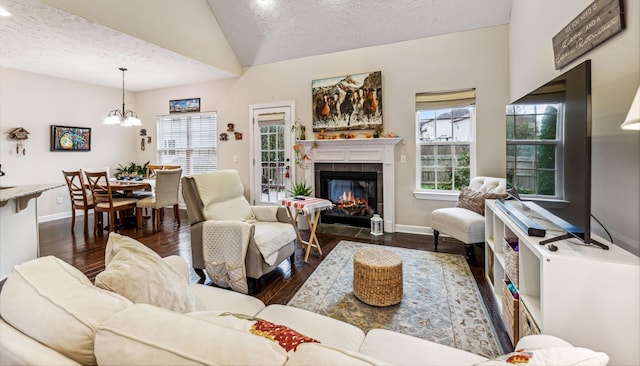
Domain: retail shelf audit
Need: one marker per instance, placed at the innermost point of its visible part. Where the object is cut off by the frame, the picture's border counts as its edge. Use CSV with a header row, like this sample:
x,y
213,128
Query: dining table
x,y
128,186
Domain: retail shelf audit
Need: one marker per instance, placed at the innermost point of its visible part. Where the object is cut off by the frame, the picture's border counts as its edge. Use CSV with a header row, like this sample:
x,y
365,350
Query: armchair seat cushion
x,y
462,224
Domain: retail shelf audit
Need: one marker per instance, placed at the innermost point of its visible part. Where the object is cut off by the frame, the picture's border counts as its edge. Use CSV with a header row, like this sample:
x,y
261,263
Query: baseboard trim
x,y
58,216
412,229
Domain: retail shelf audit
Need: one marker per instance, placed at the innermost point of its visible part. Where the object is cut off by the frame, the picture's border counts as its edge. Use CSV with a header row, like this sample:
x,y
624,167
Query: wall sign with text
x,y
598,22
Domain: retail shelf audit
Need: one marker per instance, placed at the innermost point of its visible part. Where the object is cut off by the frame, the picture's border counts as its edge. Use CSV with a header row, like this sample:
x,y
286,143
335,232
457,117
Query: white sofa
x,y
53,315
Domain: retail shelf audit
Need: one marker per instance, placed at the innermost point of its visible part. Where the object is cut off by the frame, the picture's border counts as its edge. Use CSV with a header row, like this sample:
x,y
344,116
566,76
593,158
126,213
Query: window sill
x,y
436,196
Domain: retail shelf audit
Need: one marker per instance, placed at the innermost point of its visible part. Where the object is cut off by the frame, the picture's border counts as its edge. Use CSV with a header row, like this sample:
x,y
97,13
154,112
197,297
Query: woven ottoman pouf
x,y
377,277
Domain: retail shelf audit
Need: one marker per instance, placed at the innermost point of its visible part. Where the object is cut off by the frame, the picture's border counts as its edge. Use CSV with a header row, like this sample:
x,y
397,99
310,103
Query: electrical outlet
x,y
58,200
235,158
403,159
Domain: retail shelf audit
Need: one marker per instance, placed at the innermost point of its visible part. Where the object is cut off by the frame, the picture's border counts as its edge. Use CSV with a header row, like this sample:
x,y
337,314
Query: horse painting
x,y
351,102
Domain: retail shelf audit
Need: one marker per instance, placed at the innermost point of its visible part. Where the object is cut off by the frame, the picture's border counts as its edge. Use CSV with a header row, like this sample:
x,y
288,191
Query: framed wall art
x,y
351,102
69,138
184,105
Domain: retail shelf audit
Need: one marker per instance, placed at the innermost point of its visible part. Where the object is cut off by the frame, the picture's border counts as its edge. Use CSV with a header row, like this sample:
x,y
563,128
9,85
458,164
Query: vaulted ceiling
x,y
175,42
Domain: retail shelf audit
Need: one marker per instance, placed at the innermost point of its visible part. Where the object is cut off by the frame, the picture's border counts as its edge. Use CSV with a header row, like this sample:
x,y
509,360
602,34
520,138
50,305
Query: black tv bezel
x,y
574,214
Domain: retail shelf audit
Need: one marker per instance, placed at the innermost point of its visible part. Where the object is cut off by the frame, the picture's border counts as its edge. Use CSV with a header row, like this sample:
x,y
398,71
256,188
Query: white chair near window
x,y
465,222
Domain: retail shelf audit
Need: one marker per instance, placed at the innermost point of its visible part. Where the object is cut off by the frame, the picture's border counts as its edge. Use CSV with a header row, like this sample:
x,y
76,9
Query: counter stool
x,y
377,277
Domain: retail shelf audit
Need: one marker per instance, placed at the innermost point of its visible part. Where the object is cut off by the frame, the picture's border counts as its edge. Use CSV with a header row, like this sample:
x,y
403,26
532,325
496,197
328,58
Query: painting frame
x,y
190,105
349,102
70,138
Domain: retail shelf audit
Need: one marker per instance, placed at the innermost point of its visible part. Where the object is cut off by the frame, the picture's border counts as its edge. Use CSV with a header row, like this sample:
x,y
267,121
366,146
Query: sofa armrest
x,y
179,264
17,348
537,341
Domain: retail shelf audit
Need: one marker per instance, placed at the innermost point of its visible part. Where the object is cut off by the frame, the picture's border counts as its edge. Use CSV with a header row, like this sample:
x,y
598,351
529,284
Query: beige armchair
x,y
224,225
465,222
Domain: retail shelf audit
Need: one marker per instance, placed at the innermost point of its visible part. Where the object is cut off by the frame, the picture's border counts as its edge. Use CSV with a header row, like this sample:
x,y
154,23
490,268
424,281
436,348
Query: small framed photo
x,y
184,105
69,138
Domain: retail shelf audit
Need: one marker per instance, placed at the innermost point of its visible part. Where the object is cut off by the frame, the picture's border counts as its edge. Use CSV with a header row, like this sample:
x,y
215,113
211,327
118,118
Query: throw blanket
x,y
224,246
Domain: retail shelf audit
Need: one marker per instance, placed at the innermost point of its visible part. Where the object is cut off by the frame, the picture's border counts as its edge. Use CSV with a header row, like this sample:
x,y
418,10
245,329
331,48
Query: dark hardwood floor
x,y
86,252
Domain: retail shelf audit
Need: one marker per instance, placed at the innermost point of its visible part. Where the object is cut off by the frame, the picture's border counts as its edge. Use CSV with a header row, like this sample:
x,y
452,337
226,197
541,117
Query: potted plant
x,y
131,171
301,189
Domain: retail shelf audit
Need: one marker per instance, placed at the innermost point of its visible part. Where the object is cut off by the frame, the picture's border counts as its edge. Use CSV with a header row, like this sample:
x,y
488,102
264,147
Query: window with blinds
x,y
444,133
190,141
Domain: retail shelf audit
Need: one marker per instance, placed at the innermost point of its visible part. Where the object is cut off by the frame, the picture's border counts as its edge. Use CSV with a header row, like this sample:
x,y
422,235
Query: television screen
x,y
549,149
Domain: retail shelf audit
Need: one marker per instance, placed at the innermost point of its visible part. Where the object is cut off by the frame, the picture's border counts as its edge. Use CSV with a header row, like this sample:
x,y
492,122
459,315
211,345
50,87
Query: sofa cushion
x,y
221,300
148,335
550,356
402,349
54,303
474,200
287,338
139,274
311,354
326,330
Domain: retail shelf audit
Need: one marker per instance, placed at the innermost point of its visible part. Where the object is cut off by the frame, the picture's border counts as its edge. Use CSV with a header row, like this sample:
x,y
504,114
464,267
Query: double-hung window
x,y
444,133
188,140
535,146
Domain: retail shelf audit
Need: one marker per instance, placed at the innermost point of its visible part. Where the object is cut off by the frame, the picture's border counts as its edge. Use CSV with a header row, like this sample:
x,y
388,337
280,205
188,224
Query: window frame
x,y
445,102
558,142
188,163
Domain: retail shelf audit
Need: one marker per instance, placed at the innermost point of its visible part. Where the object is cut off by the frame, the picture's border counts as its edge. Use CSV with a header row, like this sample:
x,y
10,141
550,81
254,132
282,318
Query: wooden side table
x,y
308,206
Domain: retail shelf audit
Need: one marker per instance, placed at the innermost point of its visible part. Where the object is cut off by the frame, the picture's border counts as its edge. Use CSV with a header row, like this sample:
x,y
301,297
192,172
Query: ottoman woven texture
x,y
377,277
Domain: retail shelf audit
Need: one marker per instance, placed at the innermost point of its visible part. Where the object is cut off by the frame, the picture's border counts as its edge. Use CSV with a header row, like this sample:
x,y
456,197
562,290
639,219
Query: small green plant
x,y
300,189
132,170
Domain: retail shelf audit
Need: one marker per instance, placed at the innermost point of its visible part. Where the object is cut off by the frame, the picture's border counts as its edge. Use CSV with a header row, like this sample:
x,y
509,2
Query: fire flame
x,y
347,199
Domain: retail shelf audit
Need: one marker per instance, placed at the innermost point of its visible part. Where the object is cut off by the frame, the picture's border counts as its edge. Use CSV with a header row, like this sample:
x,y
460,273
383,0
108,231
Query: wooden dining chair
x,y
151,169
80,199
167,190
104,201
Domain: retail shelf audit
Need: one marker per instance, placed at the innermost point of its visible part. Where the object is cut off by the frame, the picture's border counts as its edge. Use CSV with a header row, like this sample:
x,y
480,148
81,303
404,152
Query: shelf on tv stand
x,y
581,293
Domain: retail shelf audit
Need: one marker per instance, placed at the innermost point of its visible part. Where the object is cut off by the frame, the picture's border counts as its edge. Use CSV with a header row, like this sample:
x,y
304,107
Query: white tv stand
x,y
581,293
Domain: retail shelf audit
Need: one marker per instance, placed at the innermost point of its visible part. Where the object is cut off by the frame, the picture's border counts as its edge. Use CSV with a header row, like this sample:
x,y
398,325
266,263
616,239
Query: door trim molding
x,y
252,138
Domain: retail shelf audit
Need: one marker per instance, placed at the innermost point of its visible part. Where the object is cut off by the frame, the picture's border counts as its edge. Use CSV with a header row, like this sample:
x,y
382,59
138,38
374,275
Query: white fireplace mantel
x,y
380,150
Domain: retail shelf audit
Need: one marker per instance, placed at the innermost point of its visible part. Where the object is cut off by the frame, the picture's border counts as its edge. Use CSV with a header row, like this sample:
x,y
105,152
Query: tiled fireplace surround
x,y
357,155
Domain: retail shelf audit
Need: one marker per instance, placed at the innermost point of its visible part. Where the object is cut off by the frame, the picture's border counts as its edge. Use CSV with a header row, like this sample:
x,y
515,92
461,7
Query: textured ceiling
x,y
264,31
43,39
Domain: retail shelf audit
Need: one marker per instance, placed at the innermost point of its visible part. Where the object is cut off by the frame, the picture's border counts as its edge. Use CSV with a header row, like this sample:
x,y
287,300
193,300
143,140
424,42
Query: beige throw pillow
x,y
474,200
139,274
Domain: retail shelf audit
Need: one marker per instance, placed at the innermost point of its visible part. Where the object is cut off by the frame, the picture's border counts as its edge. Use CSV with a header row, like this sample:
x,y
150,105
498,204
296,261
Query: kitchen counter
x,y
25,191
19,224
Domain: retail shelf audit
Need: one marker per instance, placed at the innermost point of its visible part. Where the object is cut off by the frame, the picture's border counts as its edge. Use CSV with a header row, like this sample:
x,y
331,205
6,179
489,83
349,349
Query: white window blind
x,y
189,141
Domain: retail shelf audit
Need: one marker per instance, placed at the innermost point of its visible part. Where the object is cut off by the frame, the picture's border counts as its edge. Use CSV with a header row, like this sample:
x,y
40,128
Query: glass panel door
x,y
272,154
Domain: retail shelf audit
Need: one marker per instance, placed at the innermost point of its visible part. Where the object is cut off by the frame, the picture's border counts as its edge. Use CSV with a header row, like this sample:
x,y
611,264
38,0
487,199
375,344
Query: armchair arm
x,y
265,213
271,213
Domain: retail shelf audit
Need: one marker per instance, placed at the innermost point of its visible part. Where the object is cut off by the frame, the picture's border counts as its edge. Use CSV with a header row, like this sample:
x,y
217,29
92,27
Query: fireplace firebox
x,y
354,195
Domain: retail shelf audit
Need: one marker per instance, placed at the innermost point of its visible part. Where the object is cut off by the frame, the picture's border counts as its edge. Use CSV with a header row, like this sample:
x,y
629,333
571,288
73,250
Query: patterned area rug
x,y
440,301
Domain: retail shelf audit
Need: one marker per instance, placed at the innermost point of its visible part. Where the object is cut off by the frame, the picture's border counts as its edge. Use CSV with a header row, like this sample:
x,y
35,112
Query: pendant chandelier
x,y
122,117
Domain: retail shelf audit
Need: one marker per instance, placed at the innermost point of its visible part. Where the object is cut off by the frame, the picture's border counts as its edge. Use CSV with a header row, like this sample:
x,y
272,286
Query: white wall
x,y
475,59
615,71
36,102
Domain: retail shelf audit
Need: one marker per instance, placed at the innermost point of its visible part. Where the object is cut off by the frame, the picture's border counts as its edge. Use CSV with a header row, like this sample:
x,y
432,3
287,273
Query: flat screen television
x,y
549,151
